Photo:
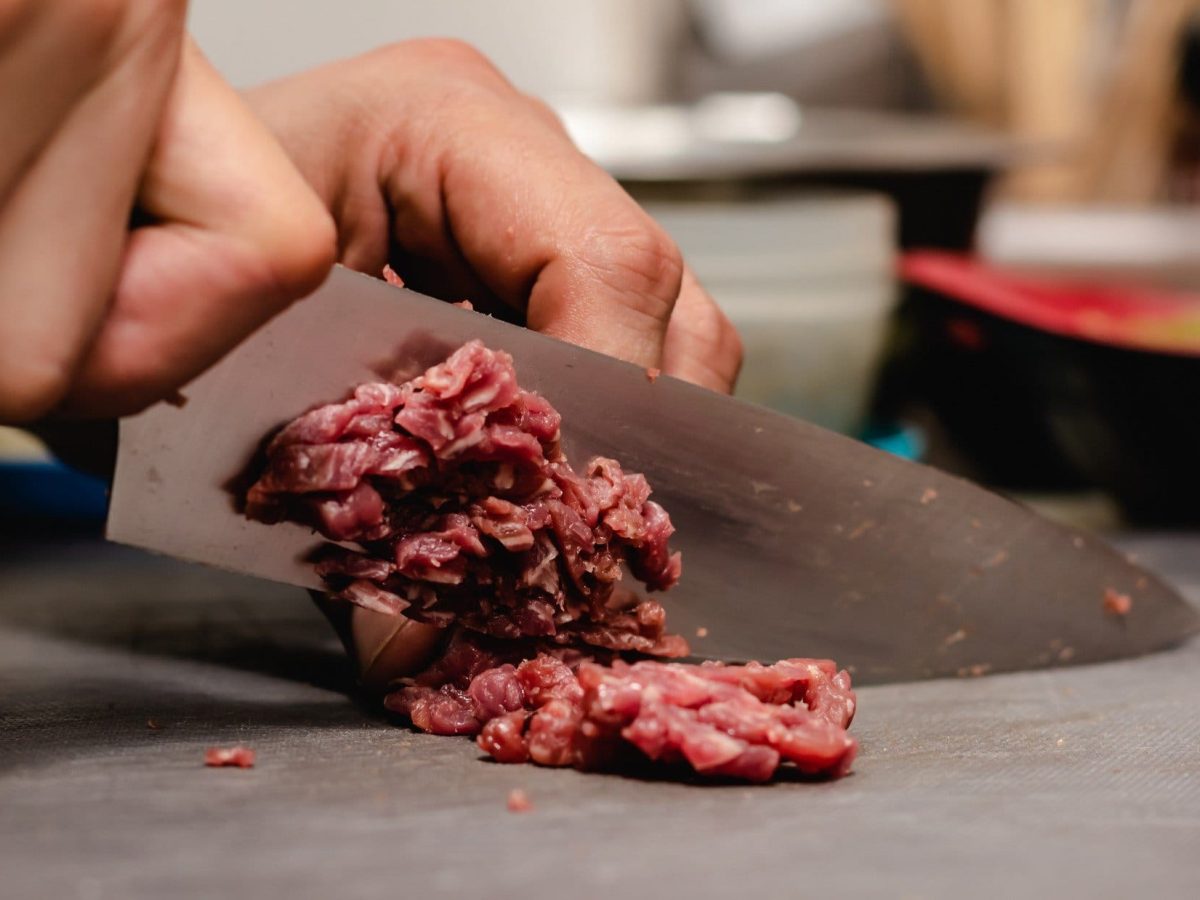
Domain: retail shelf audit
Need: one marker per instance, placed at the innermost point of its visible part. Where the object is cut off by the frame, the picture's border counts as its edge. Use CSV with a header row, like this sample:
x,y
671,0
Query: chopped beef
x,y
464,509
239,757
723,721
518,801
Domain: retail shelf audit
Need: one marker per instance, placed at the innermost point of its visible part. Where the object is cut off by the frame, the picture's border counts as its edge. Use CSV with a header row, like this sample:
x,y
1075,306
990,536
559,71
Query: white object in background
x,y
809,283
584,50
743,31
668,133
1091,236
740,135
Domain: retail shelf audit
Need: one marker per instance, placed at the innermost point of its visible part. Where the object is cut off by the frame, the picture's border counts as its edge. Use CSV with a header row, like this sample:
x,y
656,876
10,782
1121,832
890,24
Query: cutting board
x,y
117,670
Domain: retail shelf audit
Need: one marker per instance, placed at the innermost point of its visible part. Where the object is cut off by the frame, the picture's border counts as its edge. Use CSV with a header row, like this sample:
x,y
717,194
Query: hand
x,y
428,158
108,113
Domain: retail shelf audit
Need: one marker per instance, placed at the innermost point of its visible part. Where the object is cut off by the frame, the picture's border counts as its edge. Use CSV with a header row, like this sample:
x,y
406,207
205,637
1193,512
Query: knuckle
x,y
458,52
448,55
31,388
640,262
545,112
304,256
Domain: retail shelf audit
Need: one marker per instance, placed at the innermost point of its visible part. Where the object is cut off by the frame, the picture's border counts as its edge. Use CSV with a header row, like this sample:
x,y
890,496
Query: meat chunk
x,y
738,722
239,757
518,801
1116,603
463,509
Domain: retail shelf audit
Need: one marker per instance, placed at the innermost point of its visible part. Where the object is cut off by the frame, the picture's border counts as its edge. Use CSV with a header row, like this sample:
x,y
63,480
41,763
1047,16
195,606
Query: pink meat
x,y
740,722
462,508
236,757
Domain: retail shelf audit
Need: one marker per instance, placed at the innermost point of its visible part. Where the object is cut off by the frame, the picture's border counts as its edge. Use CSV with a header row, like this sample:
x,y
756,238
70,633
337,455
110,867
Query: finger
x,y
238,235
51,57
63,227
479,172
343,158
702,346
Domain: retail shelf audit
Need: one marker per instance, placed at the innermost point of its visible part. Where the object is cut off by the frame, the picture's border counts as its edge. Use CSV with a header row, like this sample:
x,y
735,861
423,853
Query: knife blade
x,y
795,540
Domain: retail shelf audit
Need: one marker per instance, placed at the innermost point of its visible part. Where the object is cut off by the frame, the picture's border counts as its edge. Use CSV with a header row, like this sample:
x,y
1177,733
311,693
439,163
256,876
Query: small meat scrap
x,y
928,496
391,277
954,637
463,508
652,374
1117,604
976,671
152,725
238,757
518,801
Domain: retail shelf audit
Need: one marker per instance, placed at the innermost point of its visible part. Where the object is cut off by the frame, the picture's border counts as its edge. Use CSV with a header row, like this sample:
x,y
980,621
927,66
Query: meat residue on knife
x,y
464,513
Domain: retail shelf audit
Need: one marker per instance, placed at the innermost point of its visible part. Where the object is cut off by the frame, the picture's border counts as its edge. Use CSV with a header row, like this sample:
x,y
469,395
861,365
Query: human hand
x,y
109,113
429,159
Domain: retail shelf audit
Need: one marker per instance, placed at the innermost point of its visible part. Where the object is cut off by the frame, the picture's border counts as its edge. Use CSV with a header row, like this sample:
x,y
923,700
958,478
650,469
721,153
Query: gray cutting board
x,y
1075,782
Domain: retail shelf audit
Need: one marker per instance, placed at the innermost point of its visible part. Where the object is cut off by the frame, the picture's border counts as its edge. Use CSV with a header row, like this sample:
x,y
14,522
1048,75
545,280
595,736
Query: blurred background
x,y
962,230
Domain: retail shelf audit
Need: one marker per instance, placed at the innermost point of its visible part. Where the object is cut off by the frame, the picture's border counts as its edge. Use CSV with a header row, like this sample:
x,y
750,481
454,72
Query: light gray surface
x,y
1081,782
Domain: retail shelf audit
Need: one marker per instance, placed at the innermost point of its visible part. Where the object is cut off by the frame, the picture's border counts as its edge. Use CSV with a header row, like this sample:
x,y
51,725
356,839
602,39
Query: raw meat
x,y
464,512
518,801
723,721
239,757
1116,603
464,509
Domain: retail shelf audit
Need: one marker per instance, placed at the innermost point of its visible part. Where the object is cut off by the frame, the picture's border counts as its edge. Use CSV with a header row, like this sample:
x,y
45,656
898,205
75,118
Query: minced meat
x,y
463,511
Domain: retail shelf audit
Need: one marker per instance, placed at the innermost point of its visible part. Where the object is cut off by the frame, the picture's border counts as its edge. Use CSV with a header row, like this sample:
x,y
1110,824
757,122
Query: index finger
x,y
540,225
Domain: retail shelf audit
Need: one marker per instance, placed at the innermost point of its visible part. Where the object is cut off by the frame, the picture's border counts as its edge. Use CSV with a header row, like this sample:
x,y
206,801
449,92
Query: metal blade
x,y
796,541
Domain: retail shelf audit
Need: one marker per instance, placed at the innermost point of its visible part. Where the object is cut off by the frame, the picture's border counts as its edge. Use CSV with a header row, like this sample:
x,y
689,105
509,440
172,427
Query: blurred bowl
x,y
809,283
751,145
1049,383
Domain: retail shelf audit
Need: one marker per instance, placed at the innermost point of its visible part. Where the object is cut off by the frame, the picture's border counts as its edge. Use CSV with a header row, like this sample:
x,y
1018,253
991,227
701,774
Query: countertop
x,y
1079,781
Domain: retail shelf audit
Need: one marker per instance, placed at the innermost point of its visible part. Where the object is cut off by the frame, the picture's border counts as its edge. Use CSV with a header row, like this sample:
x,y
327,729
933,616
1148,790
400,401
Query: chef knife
x,y
796,541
